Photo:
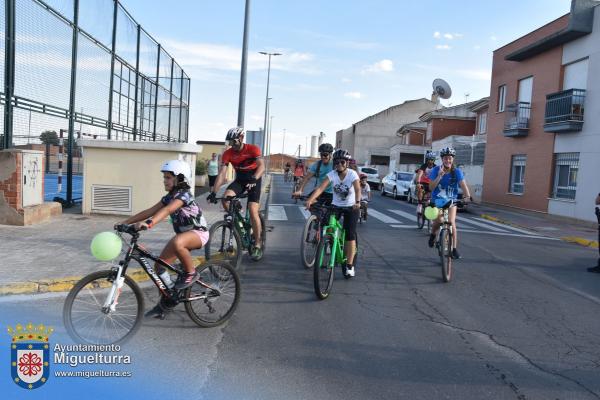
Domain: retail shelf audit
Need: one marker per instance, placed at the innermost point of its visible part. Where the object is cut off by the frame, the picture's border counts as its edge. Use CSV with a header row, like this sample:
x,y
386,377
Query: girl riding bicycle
x,y
346,195
190,227
444,182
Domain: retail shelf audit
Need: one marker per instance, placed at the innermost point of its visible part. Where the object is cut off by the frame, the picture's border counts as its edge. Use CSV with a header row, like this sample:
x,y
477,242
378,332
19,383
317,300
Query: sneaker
x,y
595,269
455,254
350,271
431,240
185,280
256,254
160,309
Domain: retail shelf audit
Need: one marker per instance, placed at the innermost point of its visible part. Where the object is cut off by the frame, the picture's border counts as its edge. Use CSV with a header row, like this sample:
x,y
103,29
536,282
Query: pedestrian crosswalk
x,y
404,219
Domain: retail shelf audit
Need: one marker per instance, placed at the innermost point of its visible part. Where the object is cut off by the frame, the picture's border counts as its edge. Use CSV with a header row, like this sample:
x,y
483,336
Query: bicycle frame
x,y
337,232
234,217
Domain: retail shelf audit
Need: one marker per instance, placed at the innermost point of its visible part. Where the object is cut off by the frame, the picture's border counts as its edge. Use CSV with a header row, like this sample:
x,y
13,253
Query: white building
x,y
370,140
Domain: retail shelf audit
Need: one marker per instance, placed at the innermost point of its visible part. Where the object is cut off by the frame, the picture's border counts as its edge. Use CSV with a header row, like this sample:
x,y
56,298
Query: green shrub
x,y
200,167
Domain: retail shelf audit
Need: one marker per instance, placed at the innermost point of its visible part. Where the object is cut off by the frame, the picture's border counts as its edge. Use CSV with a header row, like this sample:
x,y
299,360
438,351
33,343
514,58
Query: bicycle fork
x,y
110,304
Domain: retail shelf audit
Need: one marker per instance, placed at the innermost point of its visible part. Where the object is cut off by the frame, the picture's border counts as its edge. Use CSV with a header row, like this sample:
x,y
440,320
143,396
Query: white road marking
x,y
382,217
506,234
480,224
277,213
403,226
507,227
304,212
409,216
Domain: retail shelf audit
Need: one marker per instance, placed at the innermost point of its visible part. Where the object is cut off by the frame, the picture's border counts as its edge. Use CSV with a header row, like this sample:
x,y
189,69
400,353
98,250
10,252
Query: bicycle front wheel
x,y
323,271
310,241
446,254
224,244
213,305
86,319
420,220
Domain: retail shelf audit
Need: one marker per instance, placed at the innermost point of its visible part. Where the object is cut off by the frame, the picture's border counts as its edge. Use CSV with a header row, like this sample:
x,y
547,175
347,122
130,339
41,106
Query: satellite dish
x,y
442,88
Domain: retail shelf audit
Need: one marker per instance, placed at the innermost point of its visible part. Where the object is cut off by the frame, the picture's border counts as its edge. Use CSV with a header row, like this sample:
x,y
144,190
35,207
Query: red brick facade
x,y
538,145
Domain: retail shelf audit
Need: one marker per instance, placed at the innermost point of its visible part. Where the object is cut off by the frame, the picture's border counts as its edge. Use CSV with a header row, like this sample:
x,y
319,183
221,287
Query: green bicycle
x,y
330,253
231,236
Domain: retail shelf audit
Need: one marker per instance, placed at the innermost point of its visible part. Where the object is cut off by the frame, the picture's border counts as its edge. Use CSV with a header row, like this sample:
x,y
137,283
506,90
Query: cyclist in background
x,y
352,165
346,195
365,193
444,182
319,171
422,177
299,170
286,170
249,167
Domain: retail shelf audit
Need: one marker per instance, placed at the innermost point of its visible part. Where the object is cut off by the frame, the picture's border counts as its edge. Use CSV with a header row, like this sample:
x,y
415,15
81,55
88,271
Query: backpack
x,y
317,173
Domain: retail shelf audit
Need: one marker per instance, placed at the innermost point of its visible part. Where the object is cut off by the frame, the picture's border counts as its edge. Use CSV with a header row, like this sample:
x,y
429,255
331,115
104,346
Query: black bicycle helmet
x,y
342,153
234,133
325,148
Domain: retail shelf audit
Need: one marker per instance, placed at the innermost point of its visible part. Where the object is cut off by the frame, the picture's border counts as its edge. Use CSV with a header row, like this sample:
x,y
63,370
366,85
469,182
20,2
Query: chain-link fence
x,y
85,68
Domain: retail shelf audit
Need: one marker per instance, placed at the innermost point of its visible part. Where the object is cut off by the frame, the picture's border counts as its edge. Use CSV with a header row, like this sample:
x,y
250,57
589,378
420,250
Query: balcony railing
x,y
516,122
564,111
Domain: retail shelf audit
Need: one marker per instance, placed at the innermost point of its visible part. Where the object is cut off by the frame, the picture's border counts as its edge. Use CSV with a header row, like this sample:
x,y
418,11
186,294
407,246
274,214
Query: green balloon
x,y
431,213
106,246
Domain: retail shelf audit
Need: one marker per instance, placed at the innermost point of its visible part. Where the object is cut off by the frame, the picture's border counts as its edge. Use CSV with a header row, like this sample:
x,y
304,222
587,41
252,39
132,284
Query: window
x,y
367,170
525,90
501,98
517,173
566,166
380,160
482,125
575,75
405,177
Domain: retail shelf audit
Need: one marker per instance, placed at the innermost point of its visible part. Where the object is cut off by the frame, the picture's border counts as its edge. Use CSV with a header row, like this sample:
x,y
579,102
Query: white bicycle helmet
x,y
178,168
234,133
448,151
430,155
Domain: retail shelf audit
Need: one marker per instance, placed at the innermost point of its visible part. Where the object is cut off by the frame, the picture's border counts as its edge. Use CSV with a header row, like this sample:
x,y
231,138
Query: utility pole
x,y
242,99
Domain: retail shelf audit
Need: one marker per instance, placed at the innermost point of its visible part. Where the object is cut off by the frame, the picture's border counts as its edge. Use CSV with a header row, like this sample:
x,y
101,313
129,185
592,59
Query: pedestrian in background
x,y
597,267
212,166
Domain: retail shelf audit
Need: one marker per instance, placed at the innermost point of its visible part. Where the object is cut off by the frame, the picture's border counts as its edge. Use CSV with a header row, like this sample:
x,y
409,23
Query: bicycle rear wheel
x,y
87,322
224,244
323,272
214,305
310,241
420,220
446,254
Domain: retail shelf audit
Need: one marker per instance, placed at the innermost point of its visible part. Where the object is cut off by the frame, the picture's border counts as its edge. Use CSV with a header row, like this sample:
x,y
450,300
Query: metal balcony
x,y
516,121
564,111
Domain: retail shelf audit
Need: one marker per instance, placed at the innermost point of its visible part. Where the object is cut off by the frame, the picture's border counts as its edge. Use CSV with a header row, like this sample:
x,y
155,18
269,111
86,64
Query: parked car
x,y
372,176
397,184
412,195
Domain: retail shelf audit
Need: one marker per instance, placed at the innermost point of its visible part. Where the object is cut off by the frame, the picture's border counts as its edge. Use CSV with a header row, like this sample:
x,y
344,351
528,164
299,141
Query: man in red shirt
x,y
249,167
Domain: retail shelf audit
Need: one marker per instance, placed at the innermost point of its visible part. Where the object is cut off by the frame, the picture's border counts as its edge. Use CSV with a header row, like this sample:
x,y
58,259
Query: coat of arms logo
x,y
30,355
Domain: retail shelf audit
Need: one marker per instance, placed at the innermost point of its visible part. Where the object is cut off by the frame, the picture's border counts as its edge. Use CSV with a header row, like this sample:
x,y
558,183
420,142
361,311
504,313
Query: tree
x,y
49,137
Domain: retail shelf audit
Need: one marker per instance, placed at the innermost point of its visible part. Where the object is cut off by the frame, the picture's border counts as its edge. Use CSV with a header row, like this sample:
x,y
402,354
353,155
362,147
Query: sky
x,y
342,60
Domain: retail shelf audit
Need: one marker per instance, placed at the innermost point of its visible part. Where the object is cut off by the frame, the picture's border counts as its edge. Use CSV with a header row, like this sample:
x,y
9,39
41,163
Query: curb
x,y
66,283
569,239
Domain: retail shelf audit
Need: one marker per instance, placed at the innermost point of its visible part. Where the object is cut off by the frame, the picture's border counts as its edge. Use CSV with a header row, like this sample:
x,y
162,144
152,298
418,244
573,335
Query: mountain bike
x,y
106,307
330,253
363,211
296,188
421,204
233,235
312,232
287,176
444,242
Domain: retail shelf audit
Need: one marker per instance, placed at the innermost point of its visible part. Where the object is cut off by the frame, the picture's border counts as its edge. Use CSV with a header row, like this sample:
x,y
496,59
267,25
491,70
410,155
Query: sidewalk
x,y
52,256
583,233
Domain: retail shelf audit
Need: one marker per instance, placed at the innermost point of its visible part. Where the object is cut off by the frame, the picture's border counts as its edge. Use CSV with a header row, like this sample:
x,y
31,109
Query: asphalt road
x,y
520,320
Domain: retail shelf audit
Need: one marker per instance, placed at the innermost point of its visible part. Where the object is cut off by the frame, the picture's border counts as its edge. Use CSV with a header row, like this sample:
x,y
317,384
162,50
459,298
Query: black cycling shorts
x,y
350,216
239,186
425,186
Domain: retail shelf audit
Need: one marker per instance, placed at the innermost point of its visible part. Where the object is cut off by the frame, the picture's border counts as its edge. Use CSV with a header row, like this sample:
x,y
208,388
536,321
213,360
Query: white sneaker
x,y
349,272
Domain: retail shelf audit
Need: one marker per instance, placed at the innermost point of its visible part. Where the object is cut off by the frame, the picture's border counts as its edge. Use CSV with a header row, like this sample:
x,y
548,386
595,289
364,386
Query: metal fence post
x,y
187,114
9,72
72,104
156,93
137,80
112,68
170,100
180,106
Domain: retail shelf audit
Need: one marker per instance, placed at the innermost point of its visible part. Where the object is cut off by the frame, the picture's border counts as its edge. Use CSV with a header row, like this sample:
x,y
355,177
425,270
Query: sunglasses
x,y
325,154
339,161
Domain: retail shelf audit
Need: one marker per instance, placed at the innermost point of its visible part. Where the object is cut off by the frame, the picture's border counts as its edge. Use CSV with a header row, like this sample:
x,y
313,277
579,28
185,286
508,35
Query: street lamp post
x,y
283,148
242,97
267,96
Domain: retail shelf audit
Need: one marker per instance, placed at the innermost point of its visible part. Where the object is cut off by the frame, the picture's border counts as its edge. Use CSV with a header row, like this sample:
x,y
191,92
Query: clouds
x,y
448,36
384,65
209,56
353,95
443,47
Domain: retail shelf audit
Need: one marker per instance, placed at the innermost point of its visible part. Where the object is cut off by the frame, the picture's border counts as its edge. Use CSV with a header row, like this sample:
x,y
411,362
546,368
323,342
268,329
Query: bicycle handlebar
x,y
236,197
128,228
